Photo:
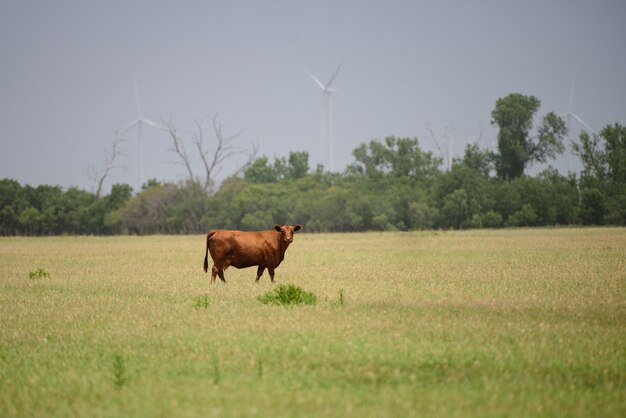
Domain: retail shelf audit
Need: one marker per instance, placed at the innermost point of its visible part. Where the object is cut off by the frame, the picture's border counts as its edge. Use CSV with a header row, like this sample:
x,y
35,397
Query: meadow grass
x,y
528,322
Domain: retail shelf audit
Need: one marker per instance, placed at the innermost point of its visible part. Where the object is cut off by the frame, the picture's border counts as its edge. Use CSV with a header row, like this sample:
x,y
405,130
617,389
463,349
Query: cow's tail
x,y
206,253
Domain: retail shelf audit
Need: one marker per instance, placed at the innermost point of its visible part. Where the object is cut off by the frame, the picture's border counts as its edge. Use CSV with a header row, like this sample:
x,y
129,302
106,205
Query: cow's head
x,y
287,232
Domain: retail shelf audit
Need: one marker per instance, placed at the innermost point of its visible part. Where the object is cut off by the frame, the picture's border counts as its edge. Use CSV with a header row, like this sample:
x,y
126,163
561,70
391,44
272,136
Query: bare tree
x,y
212,162
481,136
110,156
179,148
448,139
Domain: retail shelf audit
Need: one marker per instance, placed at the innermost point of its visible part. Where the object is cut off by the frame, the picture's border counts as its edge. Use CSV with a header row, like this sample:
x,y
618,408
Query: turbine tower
x,y
138,123
327,135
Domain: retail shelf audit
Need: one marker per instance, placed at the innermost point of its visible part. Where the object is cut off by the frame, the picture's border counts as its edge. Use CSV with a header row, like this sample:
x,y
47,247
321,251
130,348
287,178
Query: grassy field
x,y
476,323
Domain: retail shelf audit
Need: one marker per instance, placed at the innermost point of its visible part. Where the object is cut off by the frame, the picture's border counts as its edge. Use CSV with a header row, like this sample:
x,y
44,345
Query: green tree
x,y
603,179
262,171
616,206
593,207
186,214
615,137
298,164
422,215
261,206
477,159
526,216
459,209
12,202
506,199
604,155
103,215
76,207
475,195
149,212
30,221
491,219
517,149
221,210
535,194
50,203
561,196
396,157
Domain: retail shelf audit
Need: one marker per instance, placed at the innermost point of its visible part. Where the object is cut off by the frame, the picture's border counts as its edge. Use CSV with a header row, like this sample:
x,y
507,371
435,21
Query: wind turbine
x,y
139,122
569,115
327,136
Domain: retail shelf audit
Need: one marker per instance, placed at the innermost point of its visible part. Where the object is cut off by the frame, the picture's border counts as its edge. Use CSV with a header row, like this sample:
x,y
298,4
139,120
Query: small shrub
x,y
475,222
288,295
492,219
526,216
216,371
119,370
259,369
341,300
38,274
201,302
592,207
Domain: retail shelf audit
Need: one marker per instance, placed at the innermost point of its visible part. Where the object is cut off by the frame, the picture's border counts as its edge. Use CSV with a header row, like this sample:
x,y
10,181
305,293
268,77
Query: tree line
x,y
392,184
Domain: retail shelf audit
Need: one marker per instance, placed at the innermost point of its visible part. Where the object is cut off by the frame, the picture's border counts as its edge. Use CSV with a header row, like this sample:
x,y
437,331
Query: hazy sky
x,y
67,71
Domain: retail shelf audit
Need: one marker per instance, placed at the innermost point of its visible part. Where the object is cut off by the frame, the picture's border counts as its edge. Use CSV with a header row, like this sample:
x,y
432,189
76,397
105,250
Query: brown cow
x,y
240,249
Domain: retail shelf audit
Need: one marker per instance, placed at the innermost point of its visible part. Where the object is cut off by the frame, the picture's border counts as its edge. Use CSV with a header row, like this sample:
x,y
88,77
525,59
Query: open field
x,y
473,323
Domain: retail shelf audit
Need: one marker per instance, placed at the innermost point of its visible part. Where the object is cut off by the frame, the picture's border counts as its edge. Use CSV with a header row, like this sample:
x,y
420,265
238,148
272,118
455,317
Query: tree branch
x,y
212,163
109,163
179,149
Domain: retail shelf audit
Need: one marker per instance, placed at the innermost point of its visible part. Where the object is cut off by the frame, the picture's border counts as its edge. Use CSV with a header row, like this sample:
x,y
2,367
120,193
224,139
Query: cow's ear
x,y
297,227
278,228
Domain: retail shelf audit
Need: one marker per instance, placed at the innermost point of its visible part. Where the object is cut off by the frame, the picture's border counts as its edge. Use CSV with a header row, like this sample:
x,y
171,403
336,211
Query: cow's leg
x,y
217,271
220,273
213,273
271,272
259,272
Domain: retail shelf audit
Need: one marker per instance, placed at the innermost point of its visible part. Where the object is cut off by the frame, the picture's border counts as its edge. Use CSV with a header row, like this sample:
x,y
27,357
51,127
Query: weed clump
x,y
119,370
342,299
201,302
288,295
38,274
216,371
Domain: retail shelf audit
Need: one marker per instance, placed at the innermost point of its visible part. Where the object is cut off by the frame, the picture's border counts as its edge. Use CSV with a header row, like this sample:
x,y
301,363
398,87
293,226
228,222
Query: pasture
x,y
528,322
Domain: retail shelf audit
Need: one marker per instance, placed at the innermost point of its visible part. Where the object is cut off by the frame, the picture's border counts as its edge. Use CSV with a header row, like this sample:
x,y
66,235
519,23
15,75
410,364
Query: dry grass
x,y
477,323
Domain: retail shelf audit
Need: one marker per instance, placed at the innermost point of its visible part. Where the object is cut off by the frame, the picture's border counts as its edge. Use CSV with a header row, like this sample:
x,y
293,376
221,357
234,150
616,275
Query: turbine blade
x,y
571,92
137,95
154,124
582,122
131,125
319,83
330,82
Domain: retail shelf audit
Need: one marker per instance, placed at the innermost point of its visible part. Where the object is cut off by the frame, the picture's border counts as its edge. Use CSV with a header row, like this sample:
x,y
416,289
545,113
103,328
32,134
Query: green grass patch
x,y
38,274
201,302
119,370
341,300
289,294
